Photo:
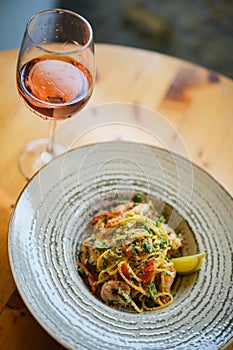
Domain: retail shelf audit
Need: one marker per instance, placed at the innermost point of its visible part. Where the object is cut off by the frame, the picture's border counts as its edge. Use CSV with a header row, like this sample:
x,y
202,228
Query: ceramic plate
x,y
51,216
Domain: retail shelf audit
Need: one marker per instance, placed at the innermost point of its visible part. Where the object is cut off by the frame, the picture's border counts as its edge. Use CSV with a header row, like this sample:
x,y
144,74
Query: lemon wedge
x,y
186,265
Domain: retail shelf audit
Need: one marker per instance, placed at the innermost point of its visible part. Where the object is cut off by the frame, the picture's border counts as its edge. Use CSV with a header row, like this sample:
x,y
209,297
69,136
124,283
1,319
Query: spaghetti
x,y
125,258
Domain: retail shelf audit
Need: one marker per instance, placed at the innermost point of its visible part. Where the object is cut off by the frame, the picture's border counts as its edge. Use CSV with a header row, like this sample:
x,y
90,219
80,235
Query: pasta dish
x,y
125,258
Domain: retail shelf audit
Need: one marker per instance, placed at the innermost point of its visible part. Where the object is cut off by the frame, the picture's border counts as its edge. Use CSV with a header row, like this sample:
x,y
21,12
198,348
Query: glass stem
x,y
50,145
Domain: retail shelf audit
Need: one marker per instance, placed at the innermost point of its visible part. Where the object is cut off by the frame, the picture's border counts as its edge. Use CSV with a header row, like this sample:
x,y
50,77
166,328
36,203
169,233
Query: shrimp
x,y
101,219
109,219
145,209
169,277
175,242
123,207
117,213
88,252
120,212
89,277
115,293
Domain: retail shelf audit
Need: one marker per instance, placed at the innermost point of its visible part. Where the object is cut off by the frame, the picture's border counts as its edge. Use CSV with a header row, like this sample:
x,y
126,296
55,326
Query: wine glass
x,y
55,76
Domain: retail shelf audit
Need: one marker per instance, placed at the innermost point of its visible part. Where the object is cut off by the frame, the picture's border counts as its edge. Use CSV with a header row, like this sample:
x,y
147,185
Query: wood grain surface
x,y
197,102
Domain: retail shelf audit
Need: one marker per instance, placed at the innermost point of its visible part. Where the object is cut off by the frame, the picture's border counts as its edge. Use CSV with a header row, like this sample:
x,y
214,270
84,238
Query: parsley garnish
x,y
152,290
137,198
105,260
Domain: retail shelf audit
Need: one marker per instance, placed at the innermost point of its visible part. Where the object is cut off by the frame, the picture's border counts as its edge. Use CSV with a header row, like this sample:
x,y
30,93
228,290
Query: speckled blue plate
x,y
51,216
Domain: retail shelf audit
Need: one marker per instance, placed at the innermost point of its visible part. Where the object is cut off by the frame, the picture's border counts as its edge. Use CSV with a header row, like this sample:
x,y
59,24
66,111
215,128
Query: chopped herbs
x,y
115,253
105,262
163,243
152,290
124,295
81,271
137,198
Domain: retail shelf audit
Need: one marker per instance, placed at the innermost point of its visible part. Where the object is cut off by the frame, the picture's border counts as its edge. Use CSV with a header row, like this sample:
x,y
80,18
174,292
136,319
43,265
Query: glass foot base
x,y
35,154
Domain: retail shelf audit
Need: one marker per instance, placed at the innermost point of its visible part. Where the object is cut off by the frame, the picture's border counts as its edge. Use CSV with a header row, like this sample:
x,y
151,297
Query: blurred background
x,y
200,31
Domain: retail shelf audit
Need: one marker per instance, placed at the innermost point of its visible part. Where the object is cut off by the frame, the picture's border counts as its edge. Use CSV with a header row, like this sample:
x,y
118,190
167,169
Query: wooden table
x,y
197,102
